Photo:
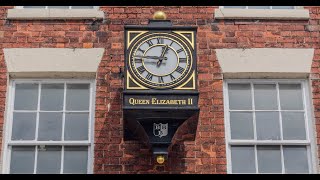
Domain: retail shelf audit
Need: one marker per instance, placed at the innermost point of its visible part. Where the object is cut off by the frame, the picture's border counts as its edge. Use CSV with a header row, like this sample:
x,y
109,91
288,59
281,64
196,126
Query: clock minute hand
x,y
164,50
162,55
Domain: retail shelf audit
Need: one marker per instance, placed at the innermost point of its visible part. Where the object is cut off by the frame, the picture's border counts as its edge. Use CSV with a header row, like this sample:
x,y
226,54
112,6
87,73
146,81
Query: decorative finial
x,y
159,15
160,159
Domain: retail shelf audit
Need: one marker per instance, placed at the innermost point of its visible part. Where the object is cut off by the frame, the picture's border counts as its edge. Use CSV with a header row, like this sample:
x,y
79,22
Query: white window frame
x,y
22,7
270,7
8,143
310,142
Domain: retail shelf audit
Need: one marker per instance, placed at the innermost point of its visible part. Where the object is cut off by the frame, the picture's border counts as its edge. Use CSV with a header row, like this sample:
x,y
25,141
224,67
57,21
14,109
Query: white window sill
x,y
283,14
51,14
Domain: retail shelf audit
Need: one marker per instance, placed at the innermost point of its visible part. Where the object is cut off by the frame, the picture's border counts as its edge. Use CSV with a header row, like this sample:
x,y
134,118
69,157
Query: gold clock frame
x,y
188,36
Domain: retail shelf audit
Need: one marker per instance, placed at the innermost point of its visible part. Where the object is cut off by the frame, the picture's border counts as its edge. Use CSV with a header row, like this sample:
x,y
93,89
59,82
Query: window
x,y
49,127
268,127
259,7
56,7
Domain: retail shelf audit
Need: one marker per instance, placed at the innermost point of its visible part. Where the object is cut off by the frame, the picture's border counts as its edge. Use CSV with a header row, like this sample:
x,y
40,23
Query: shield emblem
x,y
160,129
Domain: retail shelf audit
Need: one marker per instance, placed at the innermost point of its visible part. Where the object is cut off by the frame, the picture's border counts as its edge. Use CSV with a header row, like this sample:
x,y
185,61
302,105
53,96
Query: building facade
x,y
61,84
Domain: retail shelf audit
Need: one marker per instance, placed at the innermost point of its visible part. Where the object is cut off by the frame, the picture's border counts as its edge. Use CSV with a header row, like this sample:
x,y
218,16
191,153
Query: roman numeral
x,y
179,70
180,50
160,40
171,43
137,60
182,59
141,50
150,43
172,77
149,76
160,79
141,69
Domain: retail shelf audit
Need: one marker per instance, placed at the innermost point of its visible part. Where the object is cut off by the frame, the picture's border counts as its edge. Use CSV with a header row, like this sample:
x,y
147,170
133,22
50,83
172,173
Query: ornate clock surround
x,y
153,112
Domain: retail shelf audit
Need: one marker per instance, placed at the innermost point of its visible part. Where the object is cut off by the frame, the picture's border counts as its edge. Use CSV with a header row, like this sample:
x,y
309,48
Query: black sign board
x,y
160,101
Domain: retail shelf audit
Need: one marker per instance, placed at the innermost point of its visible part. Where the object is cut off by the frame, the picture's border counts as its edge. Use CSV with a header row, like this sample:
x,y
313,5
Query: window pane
x,y
75,160
291,96
24,126
241,125
258,7
77,97
22,160
82,7
237,7
51,97
26,97
240,96
265,96
76,127
295,159
50,126
293,125
268,127
282,7
39,7
58,7
242,158
269,159
49,160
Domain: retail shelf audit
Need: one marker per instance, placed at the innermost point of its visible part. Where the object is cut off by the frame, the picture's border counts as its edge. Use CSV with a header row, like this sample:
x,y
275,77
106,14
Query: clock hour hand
x,y
151,57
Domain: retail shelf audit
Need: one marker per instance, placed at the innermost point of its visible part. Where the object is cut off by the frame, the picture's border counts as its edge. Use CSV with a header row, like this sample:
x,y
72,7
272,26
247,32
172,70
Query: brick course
x,y
207,154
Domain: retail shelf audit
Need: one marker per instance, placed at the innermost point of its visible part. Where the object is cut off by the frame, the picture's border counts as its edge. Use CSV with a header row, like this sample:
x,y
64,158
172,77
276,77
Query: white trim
x,y
64,109
227,126
265,62
254,121
64,63
311,128
22,7
256,158
91,127
309,142
35,159
269,142
280,116
8,143
49,143
20,13
6,155
38,113
297,13
62,160
247,7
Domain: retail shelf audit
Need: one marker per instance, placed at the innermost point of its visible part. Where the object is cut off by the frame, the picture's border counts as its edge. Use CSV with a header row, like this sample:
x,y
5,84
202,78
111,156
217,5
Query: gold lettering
x,y
131,101
156,101
190,101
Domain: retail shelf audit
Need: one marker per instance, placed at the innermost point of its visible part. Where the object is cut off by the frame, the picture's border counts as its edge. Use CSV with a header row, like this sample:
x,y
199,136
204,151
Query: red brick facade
x,y
207,154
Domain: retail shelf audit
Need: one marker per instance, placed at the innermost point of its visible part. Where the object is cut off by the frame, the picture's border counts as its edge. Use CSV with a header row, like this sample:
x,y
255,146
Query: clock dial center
x,y
165,64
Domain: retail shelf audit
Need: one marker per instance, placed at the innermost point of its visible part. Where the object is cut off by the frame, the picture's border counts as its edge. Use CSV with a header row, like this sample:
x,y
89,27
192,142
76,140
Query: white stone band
x,y
265,62
53,62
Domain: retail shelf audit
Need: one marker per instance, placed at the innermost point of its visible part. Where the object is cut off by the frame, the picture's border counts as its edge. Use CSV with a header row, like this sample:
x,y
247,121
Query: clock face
x,y
160,60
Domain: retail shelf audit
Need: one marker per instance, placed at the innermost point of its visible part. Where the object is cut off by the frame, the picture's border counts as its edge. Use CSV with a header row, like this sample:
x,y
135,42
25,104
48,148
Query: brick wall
x,y
207,154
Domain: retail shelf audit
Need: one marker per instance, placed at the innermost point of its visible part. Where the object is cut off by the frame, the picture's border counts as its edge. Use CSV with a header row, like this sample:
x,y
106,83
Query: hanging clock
x,y
160,91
